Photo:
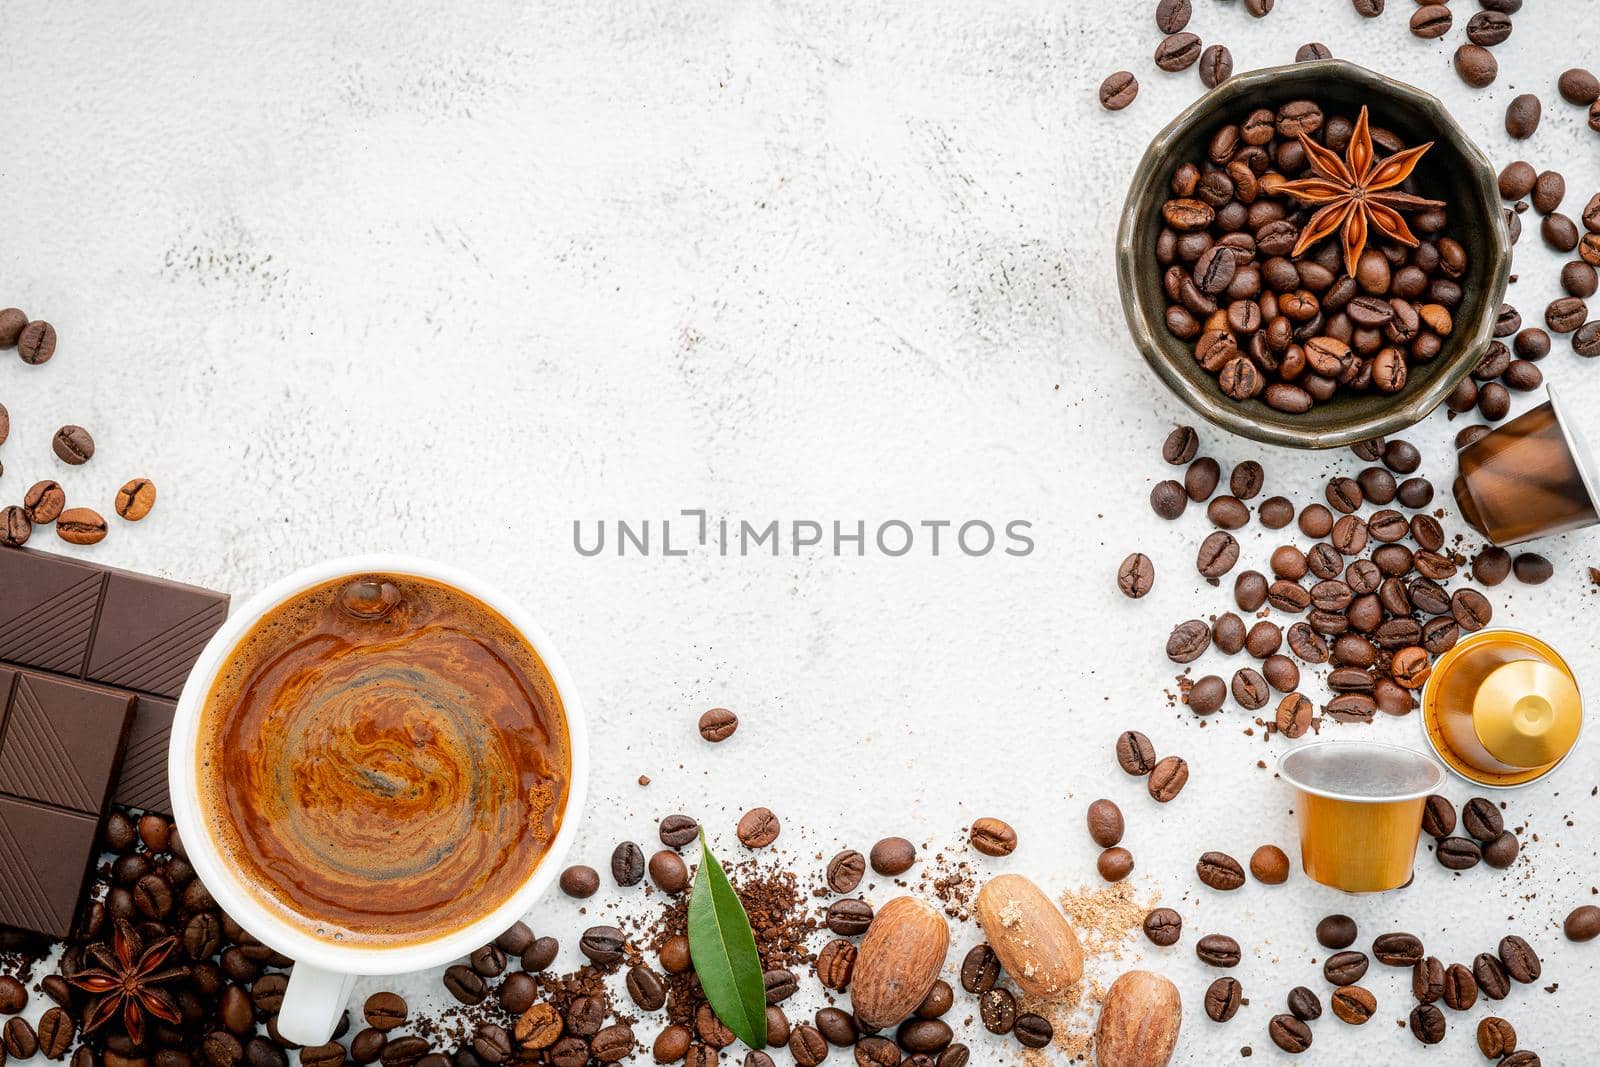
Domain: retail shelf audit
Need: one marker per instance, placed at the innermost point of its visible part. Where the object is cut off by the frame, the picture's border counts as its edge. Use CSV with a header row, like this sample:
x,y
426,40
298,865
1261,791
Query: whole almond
x,y
1035,943
898,962
1139,1022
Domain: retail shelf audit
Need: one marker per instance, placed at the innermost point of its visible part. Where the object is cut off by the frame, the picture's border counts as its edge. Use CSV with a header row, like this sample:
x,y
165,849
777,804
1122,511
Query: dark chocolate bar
x,y
131,631
61,745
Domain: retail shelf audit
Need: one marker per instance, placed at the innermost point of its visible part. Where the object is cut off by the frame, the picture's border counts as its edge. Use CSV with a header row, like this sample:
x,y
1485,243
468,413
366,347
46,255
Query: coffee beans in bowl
x,y
1313,255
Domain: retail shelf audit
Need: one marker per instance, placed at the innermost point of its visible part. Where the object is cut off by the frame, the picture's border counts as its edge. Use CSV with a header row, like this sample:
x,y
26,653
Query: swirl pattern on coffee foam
x,y
384,781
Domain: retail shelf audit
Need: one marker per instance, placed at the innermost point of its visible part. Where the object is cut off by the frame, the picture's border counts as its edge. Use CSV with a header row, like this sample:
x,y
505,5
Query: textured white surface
x,y
443,279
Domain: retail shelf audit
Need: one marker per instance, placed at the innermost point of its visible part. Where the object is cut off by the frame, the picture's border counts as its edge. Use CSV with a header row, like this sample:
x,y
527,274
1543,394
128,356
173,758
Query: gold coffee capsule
x,y
1360,810
1502,708
1530,477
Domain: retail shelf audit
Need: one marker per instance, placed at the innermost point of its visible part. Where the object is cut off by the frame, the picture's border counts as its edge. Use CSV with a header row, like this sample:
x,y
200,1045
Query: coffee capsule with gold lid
x,y
1502,708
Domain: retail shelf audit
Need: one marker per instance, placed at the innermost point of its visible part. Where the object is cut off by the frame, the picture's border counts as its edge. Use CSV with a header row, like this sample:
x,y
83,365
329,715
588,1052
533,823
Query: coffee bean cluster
x,y
1522,186
998,1006
1295,331
1177,51
1485,840
1370,591
45,501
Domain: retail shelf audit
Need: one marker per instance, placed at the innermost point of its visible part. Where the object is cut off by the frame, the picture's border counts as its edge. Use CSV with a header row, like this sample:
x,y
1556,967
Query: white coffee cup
x,y
324,972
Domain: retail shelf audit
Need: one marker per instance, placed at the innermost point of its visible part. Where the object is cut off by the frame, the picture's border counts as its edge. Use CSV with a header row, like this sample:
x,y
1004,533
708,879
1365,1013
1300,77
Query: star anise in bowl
x,y
127,979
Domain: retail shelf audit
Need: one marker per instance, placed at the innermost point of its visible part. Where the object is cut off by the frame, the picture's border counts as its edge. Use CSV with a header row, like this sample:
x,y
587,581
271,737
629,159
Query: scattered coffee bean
x,y
1496,1037
1304,1004
1490,974
1169,499
676,831
1167,778
1177,51
1522,116
135,499
15,529
12,322
1115,864
893,856
1218,950
580,881
1164,927
1582,923
627,866
1352,1004
1427,1024
1118,90
1223,998
1135,754
1105,823
1136,576
1220,871
1216,65
845,871
1519,959
1458,853
718,724
668,871
384,1011
993,837
1476,65
758,828
37,342
1531,568
1482,819
73,444
1577,86
1287,1032
1345,968
1269,865
980,969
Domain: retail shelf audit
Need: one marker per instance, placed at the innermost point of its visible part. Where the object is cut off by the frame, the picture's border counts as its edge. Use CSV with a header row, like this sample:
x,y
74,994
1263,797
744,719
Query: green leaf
x,y
723,948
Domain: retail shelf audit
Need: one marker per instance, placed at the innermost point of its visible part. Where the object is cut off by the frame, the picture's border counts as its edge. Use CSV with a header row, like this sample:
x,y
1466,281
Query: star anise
x,y
129,979
1357,193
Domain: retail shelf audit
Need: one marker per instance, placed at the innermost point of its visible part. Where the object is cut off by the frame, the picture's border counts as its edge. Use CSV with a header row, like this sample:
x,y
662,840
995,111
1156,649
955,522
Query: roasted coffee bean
x,y
1172,15
1336,932
1105,823
1316,521
1304,1004
1345,968
1249,689
1344,495
1118,90
993,837
1216,64
540,954
1476,65
612,1043
538,1027
1033,1031
627,864
1351,679
938,1002
81,526
849,917
1228,513
465,984
1136,576
603,945
55,1034
1531,568
1281,673
135,499
12,322
758,828
676,831
1289,562
1565,314
490,1043
647,991
845,870
221,1049
875,1052
807,1045
1222,999
1287,1032
580,881
836,964
37,342
1586,342
13,995
1490,974
517,993
384,1011
718,724
575,1052
1438,816
1458,853
1324,561
1350,534
1294,715
15,528
1269,865
837,1026
44,502
1288,596
1218,553
1307,644
20,1040
1427,1024
1430,21
1519,959
1427,979
1228,634
1250,590
1582,923
998,1010
1188,641
1460,989
1164,927
516,939
893,856
1311,51
367,1046
1522,114
1275,512
980,969
1470,609
1177,51
1115,864
1481,819
259,1053
1220,871
1167,778
1496,1037
668,871
1180,446
1353,1004
73,444
1135,754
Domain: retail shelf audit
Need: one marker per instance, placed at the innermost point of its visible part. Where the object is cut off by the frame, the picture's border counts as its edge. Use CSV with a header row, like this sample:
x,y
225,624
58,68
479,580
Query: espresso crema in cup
x,y
384,759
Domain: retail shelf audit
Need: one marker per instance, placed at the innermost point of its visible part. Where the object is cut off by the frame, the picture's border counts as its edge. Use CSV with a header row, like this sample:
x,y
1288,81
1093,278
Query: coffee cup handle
x,y
312,1004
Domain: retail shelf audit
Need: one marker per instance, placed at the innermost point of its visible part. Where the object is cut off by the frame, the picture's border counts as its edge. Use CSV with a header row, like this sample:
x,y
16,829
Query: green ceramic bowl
x,y
1455,170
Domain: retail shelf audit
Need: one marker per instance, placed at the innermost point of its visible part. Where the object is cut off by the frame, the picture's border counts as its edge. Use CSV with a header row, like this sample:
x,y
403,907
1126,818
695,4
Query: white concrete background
x,y
446,278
